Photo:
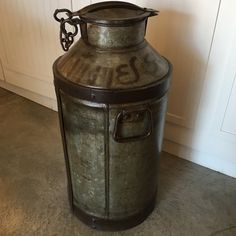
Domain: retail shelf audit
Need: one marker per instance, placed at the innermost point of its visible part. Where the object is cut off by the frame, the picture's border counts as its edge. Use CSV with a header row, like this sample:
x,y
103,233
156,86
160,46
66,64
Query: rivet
x,y
93,224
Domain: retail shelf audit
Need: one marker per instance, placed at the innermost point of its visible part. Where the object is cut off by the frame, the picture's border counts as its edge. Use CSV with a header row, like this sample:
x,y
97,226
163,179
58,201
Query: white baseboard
x,y
204,159
42,100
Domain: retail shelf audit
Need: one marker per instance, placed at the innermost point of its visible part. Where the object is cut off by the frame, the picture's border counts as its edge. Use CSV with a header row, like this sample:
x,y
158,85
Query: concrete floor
x,y
33,200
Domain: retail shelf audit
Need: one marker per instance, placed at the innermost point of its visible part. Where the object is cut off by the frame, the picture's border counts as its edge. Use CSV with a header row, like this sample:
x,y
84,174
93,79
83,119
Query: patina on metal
x,y
112,89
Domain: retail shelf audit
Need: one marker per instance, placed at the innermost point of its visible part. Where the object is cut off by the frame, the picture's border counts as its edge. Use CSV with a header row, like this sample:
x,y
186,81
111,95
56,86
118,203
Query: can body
x,y
112,99
113,179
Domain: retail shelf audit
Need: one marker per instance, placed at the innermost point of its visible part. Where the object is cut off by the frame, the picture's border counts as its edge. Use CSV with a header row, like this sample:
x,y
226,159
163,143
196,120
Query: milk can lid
x,y
114,13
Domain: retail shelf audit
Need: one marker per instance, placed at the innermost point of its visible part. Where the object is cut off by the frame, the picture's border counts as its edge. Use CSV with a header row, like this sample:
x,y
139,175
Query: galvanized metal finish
x,y
137,67
105,37
112,93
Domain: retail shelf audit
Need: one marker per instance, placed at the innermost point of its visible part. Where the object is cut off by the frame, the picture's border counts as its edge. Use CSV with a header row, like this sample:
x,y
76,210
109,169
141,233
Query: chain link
x,y
67,37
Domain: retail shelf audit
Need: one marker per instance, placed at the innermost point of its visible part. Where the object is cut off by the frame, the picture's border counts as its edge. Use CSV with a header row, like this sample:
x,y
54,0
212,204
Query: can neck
x,y
114,36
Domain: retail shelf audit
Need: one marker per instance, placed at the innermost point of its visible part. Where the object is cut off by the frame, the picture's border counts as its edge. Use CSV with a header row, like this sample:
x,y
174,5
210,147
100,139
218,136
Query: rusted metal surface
x,y
84,130
110,178
105,37
136,67
112,95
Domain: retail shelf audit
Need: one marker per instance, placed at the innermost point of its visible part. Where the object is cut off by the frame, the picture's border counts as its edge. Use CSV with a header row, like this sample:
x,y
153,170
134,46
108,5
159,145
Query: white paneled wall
x,y
183,33
228,94
229,123
211,141
1,72
29,37
76,5
198,37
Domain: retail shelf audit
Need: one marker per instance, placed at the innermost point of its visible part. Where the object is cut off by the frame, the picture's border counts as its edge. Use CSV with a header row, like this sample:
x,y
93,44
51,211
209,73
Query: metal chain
x,y
66,37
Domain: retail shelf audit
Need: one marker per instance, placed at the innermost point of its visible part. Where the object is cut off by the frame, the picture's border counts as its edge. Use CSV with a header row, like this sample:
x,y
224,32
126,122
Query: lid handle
x,y
115,4
152,12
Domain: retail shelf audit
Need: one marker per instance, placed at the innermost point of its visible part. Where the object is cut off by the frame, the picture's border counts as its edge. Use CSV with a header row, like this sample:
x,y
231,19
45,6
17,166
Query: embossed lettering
x,y
120,70
134,68
109,76
123,72
94,76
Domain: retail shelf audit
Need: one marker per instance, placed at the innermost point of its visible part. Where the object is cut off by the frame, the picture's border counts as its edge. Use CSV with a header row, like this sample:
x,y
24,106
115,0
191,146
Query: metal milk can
x,y
111,89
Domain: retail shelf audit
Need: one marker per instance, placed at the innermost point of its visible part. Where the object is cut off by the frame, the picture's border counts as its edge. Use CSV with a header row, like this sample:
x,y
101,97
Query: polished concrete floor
x,y
192,200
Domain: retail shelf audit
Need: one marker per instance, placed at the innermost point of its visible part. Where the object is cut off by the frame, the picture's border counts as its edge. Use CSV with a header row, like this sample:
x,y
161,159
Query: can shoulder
x,y
133,67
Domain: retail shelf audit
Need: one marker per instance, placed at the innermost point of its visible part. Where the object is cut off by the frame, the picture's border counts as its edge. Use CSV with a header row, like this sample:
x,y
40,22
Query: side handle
x,y
130,120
